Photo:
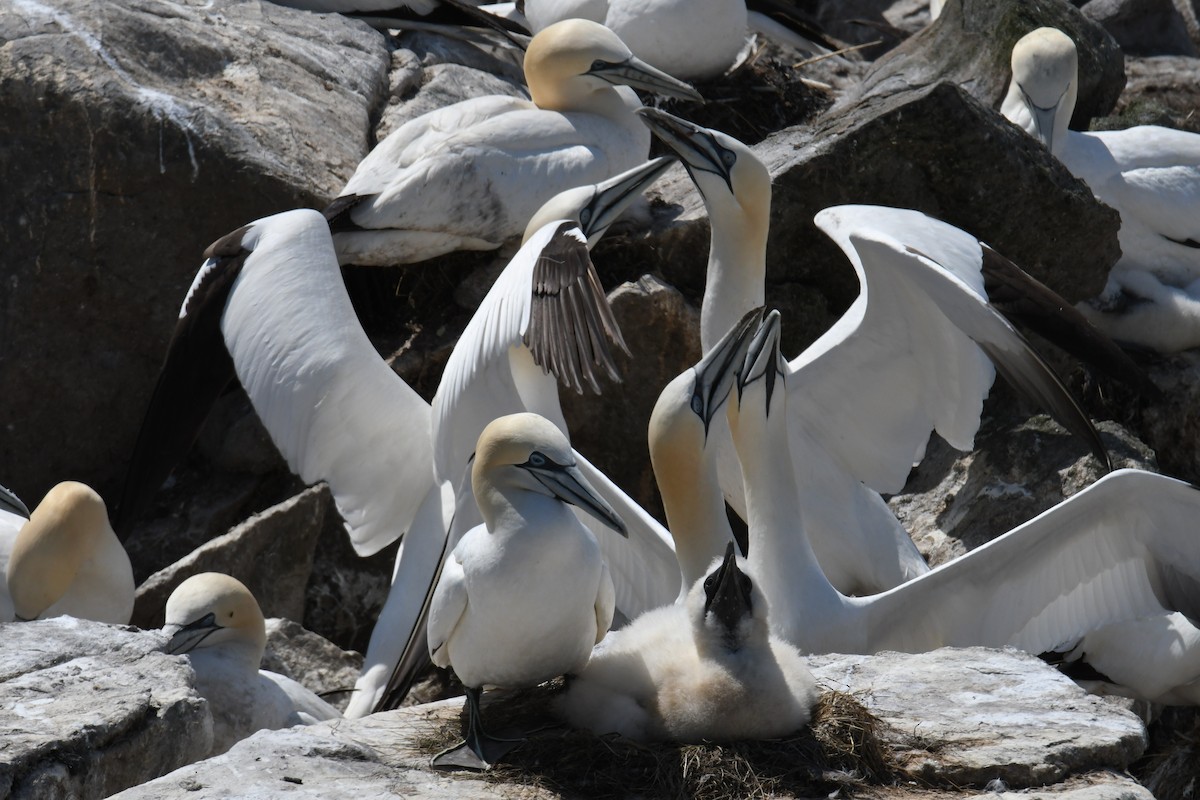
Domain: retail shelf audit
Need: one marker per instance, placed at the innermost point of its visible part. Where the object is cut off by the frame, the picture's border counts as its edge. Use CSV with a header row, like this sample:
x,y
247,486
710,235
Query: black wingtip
x,y
337,213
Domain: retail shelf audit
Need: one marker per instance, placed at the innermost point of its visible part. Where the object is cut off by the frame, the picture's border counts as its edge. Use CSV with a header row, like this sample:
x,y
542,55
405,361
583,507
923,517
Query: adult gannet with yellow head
x,y
65,559
1107,577
471,175
914,353
1149,174
526,594
215,620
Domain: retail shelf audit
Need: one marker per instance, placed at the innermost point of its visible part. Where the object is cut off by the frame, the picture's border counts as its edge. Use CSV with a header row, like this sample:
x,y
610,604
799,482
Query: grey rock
x,y
966,717
88,709
312,660
136,133
1161,90
1171,424
970,45
1143,27
272,553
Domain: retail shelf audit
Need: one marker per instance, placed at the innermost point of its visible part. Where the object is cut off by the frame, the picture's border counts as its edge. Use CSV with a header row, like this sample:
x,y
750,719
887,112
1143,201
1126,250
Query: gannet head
x,y
63,533
727,610
1045,82
727,173
596,206
215,610
569,60
527,452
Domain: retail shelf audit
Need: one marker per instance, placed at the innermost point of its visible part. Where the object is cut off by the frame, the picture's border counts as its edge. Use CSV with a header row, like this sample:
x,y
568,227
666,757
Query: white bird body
x,y
1149,174
897,365
1103,573
65,559
681,673
471,175
216,622
690,39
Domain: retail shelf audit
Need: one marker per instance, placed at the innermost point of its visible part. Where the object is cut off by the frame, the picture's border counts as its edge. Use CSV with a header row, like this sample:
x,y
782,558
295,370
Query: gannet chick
x,y
526,595
215,620
65,559
471,175
1149,174
1106,576
705,670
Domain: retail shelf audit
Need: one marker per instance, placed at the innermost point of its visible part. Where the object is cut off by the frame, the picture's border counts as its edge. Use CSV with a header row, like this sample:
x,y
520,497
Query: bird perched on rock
x,y
1149,174
215,620
708,669
526,595
64,559
470,176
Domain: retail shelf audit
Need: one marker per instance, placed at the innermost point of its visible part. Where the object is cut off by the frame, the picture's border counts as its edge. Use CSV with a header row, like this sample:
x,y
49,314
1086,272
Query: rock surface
x,y
1143,27
312,660
88,709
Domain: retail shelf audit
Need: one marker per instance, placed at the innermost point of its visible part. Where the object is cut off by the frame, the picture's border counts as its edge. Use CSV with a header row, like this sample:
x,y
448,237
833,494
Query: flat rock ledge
x,y
88,709
972,719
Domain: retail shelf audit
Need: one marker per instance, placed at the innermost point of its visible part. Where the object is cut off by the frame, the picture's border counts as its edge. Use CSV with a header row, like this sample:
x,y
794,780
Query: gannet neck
x,y
1041,96
66,535
213,610
737,263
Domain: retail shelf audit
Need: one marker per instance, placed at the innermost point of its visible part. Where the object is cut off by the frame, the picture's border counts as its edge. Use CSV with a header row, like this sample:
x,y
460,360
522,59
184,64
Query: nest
x,y
841,750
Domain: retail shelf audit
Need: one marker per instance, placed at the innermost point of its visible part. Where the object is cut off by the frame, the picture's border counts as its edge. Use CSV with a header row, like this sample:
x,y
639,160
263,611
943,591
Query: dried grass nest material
x,y
842,749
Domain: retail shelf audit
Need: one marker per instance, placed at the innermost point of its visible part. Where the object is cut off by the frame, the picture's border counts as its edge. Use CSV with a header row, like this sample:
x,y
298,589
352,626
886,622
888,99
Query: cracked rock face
x,y
88,709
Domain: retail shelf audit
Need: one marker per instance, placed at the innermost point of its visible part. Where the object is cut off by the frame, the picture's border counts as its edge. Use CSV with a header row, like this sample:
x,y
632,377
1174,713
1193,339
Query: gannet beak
x,y
716,372
763,360
567,483
727,592
10,502
189,636
614,195
640,75
696,145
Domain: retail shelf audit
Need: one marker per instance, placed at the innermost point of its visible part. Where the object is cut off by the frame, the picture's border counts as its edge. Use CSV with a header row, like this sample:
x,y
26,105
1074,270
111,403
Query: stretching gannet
x,y
469,176
216,622
1107,576
1150,175
526,594
549,286
64,559
708,670
870,390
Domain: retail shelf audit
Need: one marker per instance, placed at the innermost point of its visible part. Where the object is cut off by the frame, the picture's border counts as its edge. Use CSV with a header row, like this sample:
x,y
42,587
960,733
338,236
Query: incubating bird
x,y
708,670
1150,175
470,176
1106,577
911,355
64,559
546,311
526,594
215,620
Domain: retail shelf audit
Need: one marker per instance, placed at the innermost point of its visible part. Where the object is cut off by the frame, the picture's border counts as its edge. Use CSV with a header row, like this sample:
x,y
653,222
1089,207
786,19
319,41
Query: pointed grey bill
x,y
567,483
189,637
717,371
10,502
614,195
763,359
695,144
1043,119
727,592
640,75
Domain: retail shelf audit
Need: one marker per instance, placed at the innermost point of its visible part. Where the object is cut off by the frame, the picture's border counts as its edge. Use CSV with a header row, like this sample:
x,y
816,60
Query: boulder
x,y
312,660
1143,27
971,44
1171,423
88,709
136,133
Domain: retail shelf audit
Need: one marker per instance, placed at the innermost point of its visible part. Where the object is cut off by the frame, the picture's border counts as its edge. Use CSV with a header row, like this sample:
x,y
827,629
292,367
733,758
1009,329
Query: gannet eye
x,y
697,405
537,460
728,158
598,65
585,216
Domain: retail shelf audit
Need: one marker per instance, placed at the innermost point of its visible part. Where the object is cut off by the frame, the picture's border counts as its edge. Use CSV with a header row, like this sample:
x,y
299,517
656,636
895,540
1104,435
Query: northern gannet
x,y
526,594
64,559
1150,175
900,363
550,284
215,620
470,176
707,670
1108,576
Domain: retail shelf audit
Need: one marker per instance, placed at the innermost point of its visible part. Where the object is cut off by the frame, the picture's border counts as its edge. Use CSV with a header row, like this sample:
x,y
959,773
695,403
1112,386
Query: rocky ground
x,y
135,133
